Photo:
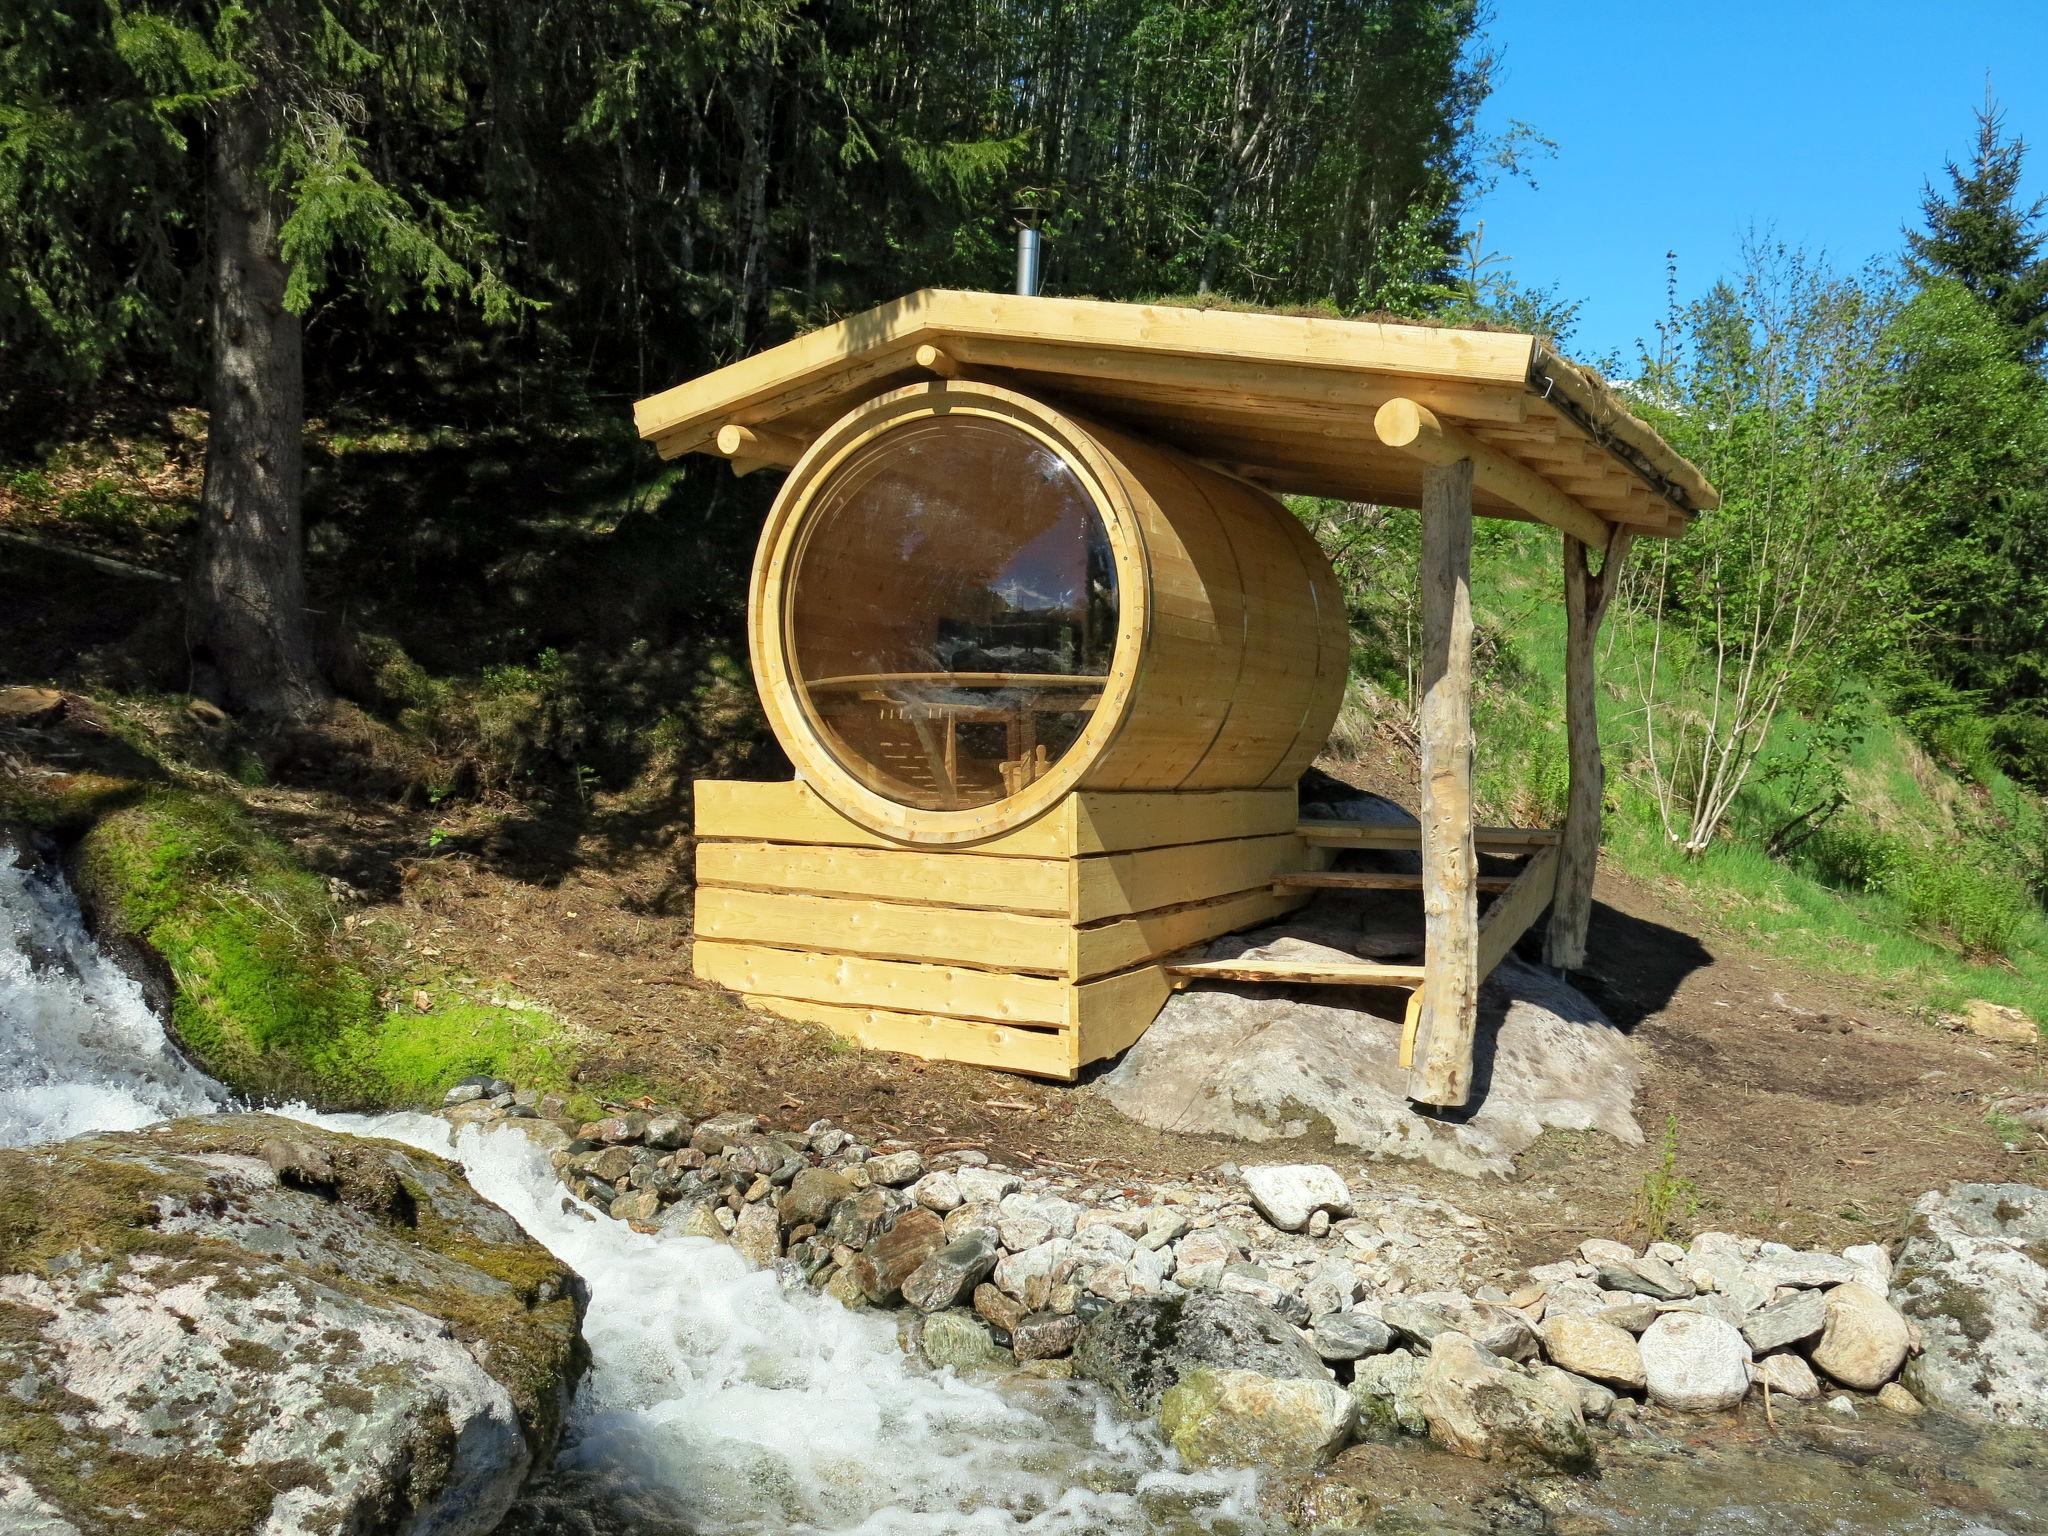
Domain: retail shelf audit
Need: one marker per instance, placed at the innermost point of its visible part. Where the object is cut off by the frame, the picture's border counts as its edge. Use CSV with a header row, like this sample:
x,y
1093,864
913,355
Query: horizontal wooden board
x,y
1113,1012
1370,880
1116,884
1358,834
945,878
878,930
1090,822
1127,941
1307,973
1040,1053
958,992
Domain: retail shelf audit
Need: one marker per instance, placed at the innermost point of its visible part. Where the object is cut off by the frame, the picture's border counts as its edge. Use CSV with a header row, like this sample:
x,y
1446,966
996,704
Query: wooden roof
x,y
1326,407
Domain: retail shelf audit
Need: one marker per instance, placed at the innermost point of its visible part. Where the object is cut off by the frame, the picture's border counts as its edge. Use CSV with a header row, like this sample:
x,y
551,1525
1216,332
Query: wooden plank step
x,y
1360,834
1370,880
1305,973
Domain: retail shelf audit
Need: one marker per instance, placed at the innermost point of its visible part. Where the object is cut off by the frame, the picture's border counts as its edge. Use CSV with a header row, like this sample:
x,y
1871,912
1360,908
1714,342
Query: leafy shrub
x,y
1964,892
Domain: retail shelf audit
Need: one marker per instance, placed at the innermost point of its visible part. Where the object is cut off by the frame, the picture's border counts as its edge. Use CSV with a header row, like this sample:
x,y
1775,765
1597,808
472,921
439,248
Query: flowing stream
x,y
719,1402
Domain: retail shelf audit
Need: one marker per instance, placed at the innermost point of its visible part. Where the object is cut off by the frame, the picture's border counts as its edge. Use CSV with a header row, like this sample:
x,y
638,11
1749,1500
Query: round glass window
x,y
953,612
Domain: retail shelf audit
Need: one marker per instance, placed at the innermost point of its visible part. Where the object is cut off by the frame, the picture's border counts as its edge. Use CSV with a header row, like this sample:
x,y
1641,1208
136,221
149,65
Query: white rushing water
x,y
717,1400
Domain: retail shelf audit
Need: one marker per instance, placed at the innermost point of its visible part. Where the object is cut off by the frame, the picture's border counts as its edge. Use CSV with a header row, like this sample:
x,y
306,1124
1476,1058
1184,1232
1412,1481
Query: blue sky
x,y
1679,126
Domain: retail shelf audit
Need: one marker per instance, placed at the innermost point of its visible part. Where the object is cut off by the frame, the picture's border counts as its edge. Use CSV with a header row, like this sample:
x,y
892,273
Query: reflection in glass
x,y
953,612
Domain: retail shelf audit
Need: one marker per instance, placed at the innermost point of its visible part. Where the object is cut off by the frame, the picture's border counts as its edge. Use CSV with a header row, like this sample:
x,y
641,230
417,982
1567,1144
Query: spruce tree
x,y
1980,235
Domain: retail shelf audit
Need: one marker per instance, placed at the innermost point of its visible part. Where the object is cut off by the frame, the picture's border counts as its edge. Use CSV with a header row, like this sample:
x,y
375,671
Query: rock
x,y
1261,1066
1163,1225
998,1309
895,1256
1646,1277
1790,1375
938,1192
959,1339
714,1135
896,1168
1388,1391
1694,1363
856,1220
1045,1335
1030,1276
1595,1401
616,1129
1332,1287
977,1217
1479,1406
463,1093
1972,1275
1784,1323
691,1221
1350,1336
1994,1021
1605,1250
1779,1265
645,1205
1898,1400
984,1185
1864,1341
209,1346
1842,1406
1629,1316
811,1196
1200,1258
758,1235
1140,1348
1287,1194
1233,1418
1873,1265
1266,1288
668,1132
1588,1347
949,1275
1496,1329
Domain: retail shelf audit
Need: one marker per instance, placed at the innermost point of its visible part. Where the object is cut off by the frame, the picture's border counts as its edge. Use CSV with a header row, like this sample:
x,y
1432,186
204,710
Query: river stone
x,y
959,1339
1388,1391
1350,1336
1200,1258
1261,1065
1864,1342
1140,1348
1605,1250
949,1275
894,1256
758,1235
1045,1335
1497,1329
195,1344
1478,1405
938,1191
1896,1399
1780,1265
1031,1275
1784,1323
1595,1401
811,1196
1287,1194
1586,1346
1788,1374
1646,1277
1216,1417
1694,1363
984,1185
691,1220
896,1167
1873,1265
1973,1275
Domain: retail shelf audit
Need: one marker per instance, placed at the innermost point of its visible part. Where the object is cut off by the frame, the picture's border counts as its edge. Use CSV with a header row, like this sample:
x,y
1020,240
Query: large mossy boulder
x,y
1973,1277
238,1324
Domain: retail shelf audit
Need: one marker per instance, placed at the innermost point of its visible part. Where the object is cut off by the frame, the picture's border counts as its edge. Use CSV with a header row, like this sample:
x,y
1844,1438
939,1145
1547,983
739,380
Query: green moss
x,y
272,995
60,802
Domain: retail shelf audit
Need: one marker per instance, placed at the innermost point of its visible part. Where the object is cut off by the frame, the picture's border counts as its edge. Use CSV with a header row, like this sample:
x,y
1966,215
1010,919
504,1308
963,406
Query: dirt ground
x,y
1802,1109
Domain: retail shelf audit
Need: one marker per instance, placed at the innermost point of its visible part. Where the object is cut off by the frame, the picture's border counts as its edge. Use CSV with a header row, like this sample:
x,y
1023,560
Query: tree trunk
x,y
1442,1074
1585,601
247,607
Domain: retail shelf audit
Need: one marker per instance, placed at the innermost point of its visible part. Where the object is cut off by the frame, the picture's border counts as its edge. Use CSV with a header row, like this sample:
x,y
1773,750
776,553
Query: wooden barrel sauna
x,y
967,604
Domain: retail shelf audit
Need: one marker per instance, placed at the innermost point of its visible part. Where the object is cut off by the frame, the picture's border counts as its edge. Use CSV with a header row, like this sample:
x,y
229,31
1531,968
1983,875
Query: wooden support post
x,y
1586,596
1442,1075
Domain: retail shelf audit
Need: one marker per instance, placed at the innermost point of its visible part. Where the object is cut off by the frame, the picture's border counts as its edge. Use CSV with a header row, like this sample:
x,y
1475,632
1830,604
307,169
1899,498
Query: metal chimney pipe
x,y
1027,260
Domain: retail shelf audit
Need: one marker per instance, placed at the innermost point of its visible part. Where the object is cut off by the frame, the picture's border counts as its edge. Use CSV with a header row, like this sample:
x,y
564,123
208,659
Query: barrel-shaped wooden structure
x,y
968,604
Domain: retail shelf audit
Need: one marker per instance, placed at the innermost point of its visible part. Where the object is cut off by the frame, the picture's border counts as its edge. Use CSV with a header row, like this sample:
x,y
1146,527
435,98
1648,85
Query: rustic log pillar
x,y
1442,1074
1586,595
